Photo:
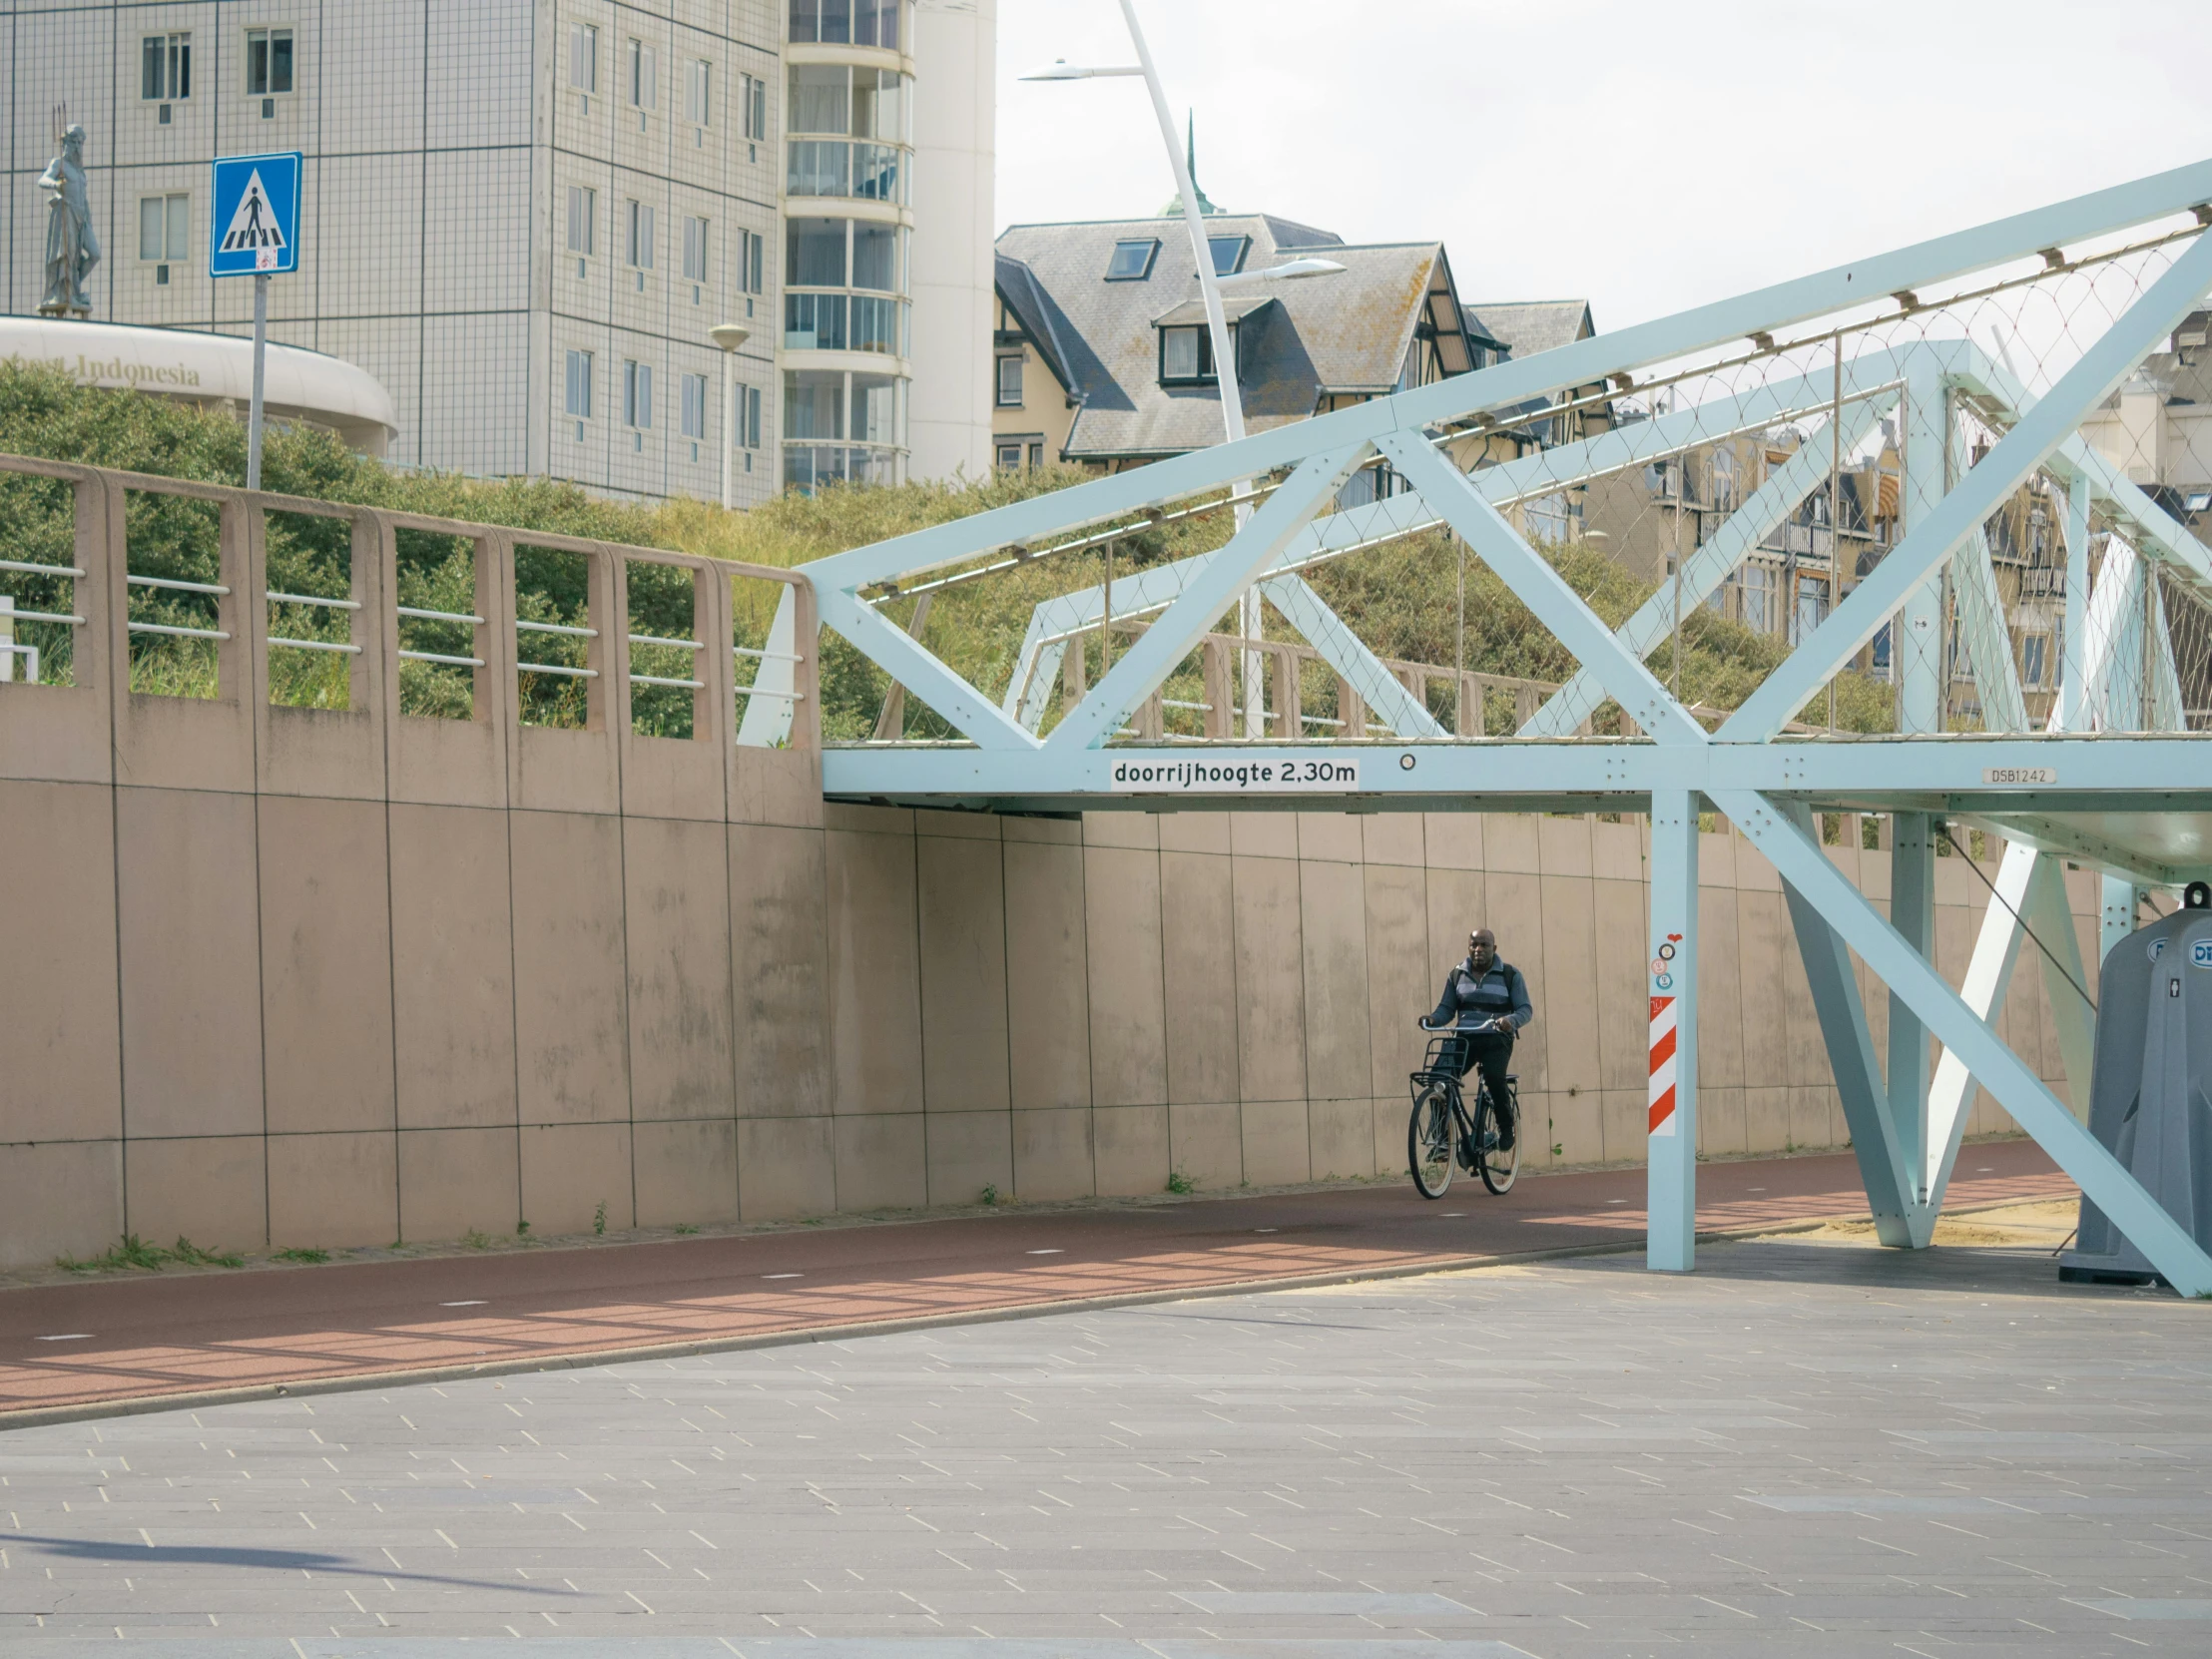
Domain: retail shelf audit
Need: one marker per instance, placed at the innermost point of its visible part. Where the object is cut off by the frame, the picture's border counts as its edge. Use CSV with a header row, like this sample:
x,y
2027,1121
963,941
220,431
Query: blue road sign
x,y
256,214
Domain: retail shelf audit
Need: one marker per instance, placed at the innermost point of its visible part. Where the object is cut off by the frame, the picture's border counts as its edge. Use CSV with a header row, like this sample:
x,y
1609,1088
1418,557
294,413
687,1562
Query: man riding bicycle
x,y
1485,1003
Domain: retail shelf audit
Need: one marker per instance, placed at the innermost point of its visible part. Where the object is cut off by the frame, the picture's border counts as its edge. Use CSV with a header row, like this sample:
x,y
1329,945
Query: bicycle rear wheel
x,y
1498,1166
1428,1141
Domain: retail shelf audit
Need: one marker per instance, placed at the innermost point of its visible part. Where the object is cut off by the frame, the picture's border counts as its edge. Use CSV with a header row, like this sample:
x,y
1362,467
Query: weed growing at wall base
x,y
131,1252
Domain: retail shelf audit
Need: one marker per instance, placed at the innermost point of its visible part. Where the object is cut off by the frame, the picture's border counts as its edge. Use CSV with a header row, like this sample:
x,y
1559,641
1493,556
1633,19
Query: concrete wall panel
x,y
881,1163
1129,1150
687,1172
569,1170
64,1198
1199,974
452,1181
962,909
331,1192
326,965
1205,1143
1332,934
571,1002
970,1152
189,926
1400,985
1278,1144
212,1189
1340,1137
676,883
874,975
786,1167
1052,1154
1271,991
62,1077
453,995
780,949
1047,976
1127,957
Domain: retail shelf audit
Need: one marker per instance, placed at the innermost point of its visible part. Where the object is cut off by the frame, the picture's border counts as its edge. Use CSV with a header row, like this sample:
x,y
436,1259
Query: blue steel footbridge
x,y
1980,380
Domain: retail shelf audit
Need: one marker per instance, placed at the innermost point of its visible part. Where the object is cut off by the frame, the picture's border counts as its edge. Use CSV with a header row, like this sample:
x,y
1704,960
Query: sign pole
x,y
261,358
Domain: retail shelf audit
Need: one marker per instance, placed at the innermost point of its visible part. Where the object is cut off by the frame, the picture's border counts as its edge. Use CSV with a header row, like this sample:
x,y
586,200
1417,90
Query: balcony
x,y
857,169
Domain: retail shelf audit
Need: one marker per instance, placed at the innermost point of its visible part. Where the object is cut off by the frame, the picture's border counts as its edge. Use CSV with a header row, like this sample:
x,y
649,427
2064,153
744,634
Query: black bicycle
x,y
1440,1136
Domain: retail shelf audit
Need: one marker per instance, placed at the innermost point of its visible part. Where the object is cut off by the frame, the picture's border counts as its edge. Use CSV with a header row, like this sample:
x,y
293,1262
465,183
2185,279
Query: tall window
x,y
268,62
583,212
165,226
755,92
641,236
1010,383
751,256
695,249
645,76
637,395
699,76
579,385
749,416
695,406
814,253
876,256
583,58
165,68
821,98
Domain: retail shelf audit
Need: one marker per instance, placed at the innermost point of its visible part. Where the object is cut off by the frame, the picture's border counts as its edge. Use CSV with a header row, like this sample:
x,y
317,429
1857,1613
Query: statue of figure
x,y
72,249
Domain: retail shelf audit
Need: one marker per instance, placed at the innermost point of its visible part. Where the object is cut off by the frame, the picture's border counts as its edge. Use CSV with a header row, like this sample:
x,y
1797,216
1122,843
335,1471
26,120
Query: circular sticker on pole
x,y
1665,982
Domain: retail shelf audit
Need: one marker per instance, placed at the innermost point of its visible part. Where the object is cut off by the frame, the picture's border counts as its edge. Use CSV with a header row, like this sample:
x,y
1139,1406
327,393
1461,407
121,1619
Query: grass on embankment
x,y
1400,598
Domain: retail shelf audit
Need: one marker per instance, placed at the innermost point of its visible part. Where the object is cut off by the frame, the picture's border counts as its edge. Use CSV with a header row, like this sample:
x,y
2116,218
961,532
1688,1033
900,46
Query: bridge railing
x,y
176,633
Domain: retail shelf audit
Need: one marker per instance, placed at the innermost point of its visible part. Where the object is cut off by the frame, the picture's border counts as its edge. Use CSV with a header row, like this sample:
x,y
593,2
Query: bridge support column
x,y
1671,1240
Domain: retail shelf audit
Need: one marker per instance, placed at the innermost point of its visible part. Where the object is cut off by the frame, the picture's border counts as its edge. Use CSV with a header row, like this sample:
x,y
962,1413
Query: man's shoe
x,y
1504,1134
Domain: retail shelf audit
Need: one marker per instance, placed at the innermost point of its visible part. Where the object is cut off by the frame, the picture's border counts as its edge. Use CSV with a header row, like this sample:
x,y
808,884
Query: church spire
x,y
1173,209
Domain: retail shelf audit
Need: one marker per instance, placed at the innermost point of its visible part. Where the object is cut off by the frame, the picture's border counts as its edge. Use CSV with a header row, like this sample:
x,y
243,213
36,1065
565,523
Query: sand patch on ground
x,y
2048,1222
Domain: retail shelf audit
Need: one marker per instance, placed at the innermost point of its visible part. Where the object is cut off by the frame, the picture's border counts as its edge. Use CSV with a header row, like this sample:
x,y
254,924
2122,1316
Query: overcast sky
x,y
1644,156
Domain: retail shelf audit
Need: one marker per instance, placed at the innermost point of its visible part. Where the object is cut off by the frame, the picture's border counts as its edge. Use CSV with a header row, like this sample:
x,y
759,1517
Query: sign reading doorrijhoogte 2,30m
x,y
256,223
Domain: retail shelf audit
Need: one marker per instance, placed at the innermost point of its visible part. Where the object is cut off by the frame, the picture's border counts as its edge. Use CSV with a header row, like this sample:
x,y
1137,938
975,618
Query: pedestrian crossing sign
x,y
256,214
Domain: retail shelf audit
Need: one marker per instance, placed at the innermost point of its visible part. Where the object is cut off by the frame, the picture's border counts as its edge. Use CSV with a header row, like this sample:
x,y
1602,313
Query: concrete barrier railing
x,y
231,733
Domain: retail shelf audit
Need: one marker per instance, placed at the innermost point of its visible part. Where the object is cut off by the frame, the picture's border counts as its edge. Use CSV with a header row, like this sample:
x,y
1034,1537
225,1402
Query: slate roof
x,y
1345,334
1531,327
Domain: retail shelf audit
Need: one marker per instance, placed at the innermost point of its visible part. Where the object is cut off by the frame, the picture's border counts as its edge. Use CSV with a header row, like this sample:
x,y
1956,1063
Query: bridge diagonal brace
x,y
1900,1218
2105,1181
1229,571
1530,576
1348,654
912,665
1706,569
1917,558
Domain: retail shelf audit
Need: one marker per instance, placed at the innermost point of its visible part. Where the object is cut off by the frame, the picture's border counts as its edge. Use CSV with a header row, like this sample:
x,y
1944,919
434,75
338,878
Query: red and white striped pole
x,y
1670,1235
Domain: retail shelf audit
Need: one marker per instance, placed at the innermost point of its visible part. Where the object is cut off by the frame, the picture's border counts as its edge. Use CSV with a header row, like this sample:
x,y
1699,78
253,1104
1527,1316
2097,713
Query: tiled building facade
x,y
521,215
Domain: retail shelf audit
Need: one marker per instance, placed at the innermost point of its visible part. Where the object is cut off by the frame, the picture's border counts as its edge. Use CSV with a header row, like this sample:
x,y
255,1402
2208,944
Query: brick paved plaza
x,y
1808,1448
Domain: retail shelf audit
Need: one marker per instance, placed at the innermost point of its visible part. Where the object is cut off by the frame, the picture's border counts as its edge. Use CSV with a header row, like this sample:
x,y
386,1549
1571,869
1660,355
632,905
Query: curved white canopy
x,y
297,384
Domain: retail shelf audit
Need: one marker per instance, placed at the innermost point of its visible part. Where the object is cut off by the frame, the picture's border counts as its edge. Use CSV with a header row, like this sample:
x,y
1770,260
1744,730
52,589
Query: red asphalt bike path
x,y
80,1347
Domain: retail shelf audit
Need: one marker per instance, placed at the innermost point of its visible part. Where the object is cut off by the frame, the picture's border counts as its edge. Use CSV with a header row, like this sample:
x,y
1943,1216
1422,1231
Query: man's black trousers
x,y
1493,1052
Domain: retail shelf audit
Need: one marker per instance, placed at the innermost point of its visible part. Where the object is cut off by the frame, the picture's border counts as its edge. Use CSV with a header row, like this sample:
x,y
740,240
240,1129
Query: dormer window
x,y
1187,355
1132,261
1229,254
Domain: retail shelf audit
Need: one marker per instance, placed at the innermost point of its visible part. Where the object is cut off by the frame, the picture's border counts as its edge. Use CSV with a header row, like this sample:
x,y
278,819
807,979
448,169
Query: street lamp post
x,y
1217,325
729,336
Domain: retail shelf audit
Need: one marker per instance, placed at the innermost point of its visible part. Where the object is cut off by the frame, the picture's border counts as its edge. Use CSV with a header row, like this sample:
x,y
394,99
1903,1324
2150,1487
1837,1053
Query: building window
x,y
813,403
1009,457
851,22
645,76
165,68
749,416
814,253
695,406
583,213
753,90
165,226
875,324
579,385
583,58
268,62
637,395
1010,383
814,321
751,257
699,76
818,168
1036,456
1229,254
1187,355
1132,261
641,236
696,231
2032,654
876,256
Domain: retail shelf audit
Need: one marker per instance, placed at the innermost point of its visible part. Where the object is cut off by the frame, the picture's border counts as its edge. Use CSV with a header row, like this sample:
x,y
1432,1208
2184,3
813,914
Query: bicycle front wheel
x,y
1428,1141
1498,1165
